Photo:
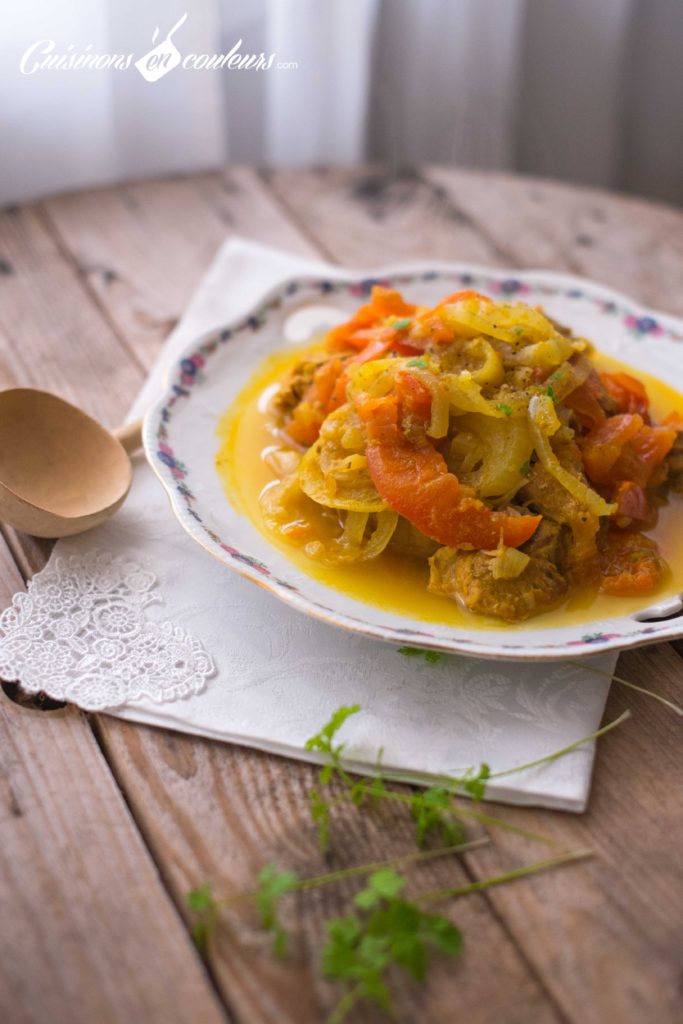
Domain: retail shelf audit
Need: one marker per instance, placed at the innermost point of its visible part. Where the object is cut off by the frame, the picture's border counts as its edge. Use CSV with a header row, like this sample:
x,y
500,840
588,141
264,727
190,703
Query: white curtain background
x,y
583,90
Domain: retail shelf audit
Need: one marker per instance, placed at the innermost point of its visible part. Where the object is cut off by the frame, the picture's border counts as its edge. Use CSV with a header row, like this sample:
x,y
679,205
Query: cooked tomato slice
x,y
604,445
630,564
628,393
584,402
644,453
414,480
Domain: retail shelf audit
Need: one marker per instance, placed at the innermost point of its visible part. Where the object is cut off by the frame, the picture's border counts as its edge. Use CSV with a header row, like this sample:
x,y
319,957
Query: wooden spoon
x,y
61,472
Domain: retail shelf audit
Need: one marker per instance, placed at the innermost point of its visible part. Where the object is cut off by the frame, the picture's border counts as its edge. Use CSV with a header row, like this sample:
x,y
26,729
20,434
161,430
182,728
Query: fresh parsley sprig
x,y
384,931
273,884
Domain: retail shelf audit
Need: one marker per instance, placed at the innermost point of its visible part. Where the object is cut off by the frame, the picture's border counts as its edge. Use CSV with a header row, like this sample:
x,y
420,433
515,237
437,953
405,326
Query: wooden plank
x,y
367,217
55,338
630,244
583,933
371,216
208,810
608,940
81,901
220,812
142,248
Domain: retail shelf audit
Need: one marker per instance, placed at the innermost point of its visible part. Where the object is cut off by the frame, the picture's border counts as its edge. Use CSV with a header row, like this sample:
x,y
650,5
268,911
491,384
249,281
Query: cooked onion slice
x,y
544,423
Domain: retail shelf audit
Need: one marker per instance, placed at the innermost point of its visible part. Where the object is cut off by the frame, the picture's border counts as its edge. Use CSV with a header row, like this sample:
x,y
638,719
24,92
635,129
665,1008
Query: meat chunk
x,y
467,576
295,385
551,540
543,493
546,495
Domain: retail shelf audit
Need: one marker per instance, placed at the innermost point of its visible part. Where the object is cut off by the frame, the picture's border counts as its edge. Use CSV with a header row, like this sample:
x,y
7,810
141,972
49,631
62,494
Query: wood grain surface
x,y
123,820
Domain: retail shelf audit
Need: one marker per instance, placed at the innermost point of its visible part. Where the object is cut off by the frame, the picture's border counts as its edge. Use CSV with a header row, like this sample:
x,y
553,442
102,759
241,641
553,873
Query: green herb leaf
x,y
389,931
410,652
400,325
201,898
525,468
421,363
206,907
475,785
433,815
320,814
518,330
505,409
322,740
417,652
550,393
384,884
272,885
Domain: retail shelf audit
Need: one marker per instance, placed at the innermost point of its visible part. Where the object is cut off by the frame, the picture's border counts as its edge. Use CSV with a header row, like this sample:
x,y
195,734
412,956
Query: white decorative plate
x,y
181,442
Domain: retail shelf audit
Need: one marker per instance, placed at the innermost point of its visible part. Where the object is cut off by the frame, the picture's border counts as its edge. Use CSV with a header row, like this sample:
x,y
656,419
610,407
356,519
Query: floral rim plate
x,y
181,442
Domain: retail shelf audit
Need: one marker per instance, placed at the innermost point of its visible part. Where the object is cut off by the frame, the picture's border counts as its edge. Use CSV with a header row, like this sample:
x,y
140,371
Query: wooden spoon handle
x,y
130,436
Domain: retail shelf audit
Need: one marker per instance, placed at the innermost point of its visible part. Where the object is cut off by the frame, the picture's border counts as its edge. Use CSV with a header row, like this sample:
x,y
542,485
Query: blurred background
x,y
580,90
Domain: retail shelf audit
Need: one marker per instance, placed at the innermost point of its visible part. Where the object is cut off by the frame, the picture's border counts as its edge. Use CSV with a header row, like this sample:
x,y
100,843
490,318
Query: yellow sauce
x,y
394,581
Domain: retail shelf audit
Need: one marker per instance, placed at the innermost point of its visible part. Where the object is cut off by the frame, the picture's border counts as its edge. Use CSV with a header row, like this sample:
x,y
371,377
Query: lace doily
x,y
80,634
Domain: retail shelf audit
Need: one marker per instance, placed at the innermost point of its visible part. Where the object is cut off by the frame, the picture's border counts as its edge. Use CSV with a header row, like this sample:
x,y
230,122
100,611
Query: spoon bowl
x,y
61,472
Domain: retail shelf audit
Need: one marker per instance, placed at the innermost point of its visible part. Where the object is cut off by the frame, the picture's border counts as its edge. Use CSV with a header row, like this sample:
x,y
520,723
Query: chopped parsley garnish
x,y
421,363
502,407
518,330
551,394
525,468
400,325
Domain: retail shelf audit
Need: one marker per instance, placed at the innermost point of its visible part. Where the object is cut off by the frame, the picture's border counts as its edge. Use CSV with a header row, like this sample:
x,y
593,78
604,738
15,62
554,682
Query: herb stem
x,y
565,750
461,812
625,682
408,858
508,876
365,869
345,1005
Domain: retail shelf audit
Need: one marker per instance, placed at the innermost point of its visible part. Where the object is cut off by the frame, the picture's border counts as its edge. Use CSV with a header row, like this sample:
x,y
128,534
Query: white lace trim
x,y
80,634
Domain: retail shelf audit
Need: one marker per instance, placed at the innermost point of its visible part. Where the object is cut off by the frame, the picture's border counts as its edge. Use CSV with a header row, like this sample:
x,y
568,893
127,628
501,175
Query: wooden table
x,y
105,826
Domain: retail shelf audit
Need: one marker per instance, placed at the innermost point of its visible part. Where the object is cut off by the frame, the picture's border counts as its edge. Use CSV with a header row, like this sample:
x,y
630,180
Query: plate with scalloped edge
x,y
181,442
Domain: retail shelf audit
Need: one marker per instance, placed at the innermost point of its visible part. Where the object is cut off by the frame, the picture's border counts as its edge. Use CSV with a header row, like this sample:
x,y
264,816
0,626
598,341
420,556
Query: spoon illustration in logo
x,y
163,57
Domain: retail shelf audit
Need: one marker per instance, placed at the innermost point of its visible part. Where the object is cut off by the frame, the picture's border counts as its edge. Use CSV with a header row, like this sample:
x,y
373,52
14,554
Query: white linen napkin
x,y
279,674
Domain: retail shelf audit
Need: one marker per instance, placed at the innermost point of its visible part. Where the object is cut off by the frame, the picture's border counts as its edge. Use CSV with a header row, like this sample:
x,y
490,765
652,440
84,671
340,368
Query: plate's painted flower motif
x,y
641,325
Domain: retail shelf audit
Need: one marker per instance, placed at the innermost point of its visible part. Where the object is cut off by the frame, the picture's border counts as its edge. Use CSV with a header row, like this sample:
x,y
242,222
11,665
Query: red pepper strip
x,y
583,401
604,445
324,381
384,302
630,565
414,398
628,393
414,480
434,332
383,343
301,430
307,418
